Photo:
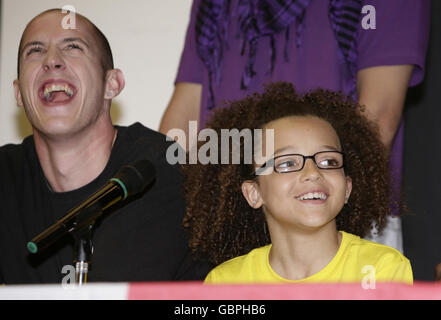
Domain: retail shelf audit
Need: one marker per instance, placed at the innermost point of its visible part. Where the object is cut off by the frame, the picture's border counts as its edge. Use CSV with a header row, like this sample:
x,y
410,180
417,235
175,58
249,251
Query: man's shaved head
x,y
106,52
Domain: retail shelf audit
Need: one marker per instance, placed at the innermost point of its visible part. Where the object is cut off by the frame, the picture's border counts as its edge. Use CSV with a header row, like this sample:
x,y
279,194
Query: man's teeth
x,y
313,195
57,87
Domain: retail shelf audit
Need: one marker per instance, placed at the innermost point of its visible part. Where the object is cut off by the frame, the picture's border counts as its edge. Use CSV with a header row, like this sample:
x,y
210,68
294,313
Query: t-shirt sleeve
x,y
190,66
394,267
400,36
211,277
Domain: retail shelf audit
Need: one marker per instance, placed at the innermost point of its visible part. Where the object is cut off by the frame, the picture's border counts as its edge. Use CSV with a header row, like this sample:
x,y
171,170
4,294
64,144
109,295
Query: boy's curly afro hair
x,y
221,223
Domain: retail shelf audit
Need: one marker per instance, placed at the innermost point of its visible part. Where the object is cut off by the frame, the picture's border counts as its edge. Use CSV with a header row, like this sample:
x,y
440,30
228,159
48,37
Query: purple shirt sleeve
x,y
401,36
190,66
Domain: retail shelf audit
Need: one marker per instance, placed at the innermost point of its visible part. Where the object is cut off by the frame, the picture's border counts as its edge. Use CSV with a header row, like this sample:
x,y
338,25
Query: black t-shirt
x,y
140,239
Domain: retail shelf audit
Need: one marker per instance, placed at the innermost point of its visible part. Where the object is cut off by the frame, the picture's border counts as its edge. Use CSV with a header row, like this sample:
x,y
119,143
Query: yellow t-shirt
x,y
357,260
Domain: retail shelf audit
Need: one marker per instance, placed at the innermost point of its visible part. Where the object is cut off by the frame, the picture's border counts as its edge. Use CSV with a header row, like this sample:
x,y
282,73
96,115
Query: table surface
x,y
200,291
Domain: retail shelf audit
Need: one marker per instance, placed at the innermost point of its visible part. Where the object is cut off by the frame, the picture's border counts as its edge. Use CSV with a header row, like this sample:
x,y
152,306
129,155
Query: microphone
x,y
130,180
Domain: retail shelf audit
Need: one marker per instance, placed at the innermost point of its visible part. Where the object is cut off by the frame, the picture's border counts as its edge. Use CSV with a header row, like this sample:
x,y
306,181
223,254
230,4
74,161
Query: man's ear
x,y
18,93
114,83
251,192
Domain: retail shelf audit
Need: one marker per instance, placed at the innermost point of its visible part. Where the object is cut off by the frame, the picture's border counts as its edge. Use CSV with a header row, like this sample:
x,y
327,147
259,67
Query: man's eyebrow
x,y
65,40
32,43
76,40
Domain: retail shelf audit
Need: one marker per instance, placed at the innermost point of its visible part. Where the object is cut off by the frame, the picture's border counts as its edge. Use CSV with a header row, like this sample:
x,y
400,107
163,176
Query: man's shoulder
x,y
11,149
140,142
17,165
13,154
146,137
139,130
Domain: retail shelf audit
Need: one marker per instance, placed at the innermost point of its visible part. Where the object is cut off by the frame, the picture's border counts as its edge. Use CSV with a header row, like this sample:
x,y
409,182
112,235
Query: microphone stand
x,y
83,254
83,242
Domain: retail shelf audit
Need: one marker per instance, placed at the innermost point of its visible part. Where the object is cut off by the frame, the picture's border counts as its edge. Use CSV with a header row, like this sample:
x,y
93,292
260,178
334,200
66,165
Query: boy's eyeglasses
x,y
326,160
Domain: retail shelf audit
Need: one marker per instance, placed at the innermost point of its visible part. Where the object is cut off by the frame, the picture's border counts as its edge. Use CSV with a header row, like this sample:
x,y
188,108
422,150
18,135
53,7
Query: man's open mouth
x,y
56,92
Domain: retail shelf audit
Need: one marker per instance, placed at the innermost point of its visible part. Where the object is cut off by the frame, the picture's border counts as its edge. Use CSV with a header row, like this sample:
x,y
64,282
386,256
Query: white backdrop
x,y
146,37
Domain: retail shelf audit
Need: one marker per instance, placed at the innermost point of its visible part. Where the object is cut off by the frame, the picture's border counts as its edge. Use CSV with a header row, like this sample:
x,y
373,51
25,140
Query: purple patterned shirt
x,y
400,37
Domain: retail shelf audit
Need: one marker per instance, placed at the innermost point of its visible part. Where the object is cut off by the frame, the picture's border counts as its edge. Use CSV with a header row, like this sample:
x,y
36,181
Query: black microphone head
x,y
136,176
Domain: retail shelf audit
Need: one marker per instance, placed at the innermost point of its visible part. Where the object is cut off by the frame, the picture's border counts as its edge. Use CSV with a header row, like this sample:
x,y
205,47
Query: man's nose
x,y
53,60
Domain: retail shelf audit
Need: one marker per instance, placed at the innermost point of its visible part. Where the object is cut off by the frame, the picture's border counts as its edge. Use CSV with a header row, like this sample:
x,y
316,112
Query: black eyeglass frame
x,y
272,161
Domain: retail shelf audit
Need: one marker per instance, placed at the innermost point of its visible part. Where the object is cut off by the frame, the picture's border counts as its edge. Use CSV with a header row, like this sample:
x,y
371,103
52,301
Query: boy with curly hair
x,y
296,215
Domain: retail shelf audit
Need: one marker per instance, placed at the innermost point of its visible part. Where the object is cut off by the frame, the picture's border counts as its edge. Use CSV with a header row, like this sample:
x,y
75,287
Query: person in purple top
x,y
370,50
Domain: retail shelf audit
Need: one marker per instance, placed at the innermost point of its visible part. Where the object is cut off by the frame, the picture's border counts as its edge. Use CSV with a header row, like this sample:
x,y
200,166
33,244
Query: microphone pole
x,y
83,246
83,249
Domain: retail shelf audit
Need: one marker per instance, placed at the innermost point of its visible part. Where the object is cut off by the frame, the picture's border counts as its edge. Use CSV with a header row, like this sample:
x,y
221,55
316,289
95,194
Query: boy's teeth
x,y
313,195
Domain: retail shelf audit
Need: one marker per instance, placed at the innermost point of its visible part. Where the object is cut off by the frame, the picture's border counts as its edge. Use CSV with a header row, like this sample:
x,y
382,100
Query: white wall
x,y
146,37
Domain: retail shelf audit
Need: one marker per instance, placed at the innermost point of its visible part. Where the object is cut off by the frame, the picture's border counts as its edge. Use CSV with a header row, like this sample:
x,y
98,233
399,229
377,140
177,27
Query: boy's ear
x,y
251,192
348,188
115,83
18,93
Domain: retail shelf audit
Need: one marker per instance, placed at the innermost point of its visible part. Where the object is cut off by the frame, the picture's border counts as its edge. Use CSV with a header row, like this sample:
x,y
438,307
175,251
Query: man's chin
x,y
55,129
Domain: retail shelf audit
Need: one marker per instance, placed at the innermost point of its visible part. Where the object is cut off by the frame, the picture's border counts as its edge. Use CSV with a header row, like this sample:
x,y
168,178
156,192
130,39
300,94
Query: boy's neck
x,y
298,255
